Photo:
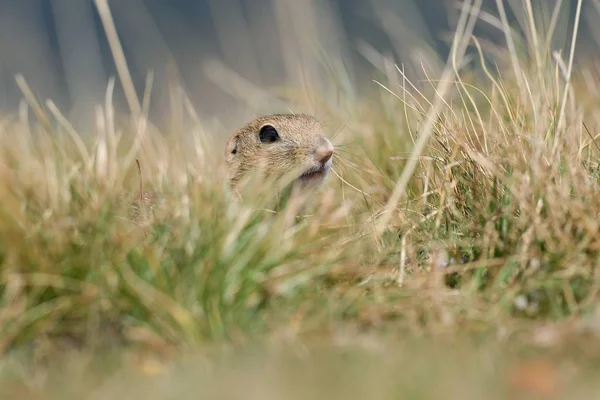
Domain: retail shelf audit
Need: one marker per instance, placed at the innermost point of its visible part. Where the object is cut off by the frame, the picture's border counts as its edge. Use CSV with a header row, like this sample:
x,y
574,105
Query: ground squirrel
x,y
274,145
278,145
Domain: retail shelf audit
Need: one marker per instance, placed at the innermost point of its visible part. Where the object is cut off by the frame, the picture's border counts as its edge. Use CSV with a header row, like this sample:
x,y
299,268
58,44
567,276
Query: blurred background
x,y
229,56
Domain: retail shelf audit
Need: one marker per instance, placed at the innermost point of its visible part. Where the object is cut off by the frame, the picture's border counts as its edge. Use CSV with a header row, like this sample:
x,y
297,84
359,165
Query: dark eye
x,y
268,134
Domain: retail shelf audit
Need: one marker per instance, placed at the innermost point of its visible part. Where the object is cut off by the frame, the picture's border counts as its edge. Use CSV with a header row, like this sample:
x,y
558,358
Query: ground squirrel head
x,y
278,145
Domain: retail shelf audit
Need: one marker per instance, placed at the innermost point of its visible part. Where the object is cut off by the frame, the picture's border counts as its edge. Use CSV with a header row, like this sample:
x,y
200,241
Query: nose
x,y
324,152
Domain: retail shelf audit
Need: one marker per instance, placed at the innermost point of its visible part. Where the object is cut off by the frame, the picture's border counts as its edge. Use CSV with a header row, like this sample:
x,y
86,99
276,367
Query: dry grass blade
x,y
461,39
119,57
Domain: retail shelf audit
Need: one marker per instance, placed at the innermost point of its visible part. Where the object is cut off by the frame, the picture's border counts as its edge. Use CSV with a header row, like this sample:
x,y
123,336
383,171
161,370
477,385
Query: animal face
x,y
280,145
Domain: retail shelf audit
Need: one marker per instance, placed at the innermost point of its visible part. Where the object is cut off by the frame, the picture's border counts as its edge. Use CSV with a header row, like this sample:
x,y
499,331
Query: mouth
x,y
314,175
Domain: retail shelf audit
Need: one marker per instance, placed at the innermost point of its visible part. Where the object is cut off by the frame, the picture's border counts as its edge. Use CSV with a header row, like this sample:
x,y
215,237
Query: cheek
x,y
279,160
282,153
298,154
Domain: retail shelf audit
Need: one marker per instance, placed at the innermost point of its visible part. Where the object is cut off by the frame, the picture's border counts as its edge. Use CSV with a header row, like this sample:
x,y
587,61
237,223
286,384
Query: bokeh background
x,y
230,55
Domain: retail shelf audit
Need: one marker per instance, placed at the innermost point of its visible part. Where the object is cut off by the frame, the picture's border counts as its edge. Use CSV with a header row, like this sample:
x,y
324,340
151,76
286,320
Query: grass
x,y
488,253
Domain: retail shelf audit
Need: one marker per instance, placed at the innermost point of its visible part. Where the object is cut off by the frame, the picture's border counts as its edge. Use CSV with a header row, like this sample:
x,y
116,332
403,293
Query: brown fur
x,y
301,135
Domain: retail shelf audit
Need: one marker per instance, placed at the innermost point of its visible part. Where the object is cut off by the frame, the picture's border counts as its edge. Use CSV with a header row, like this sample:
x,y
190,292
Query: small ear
x,y
232,146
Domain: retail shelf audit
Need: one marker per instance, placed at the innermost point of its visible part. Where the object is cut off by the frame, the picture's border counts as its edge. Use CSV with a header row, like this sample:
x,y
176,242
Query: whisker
x,y
345,154
349,184
345,144
360,172
341,129
342,159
